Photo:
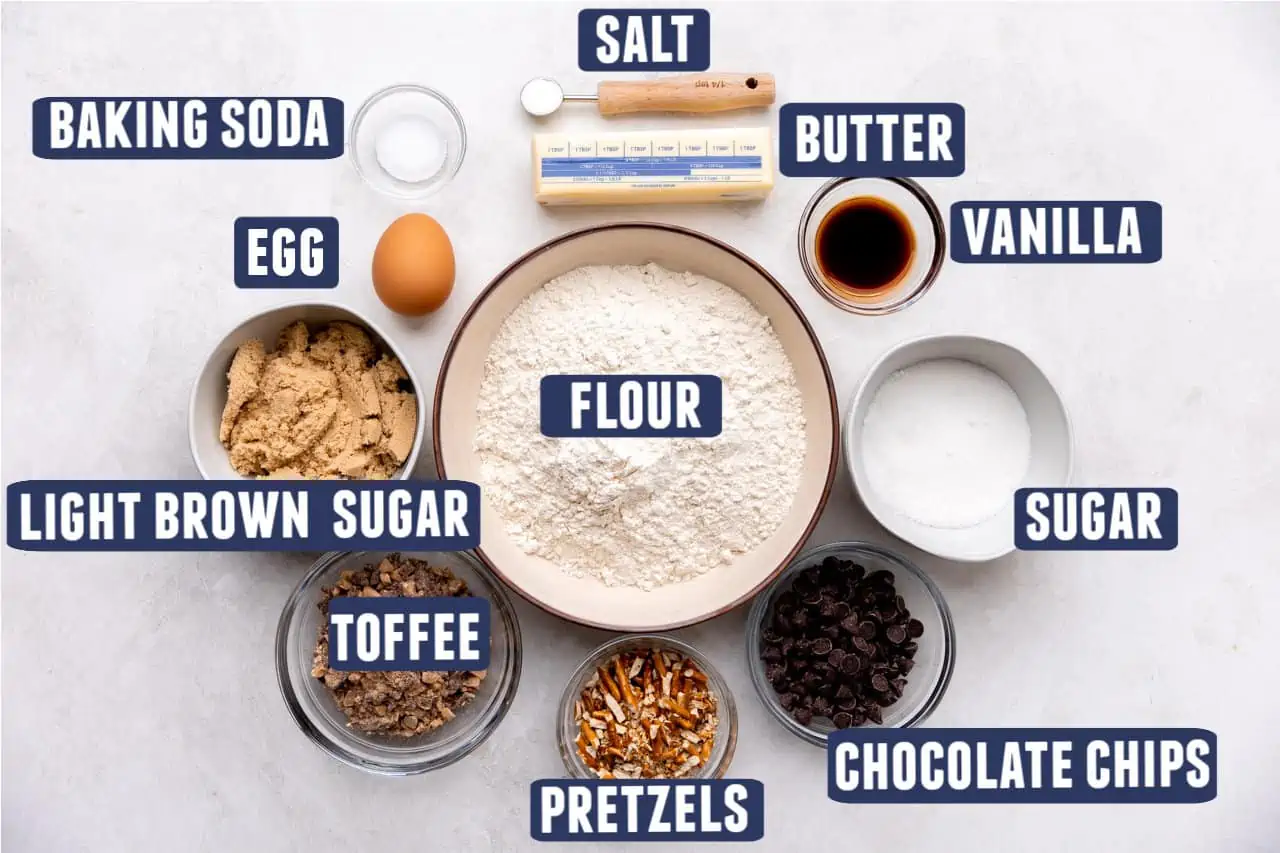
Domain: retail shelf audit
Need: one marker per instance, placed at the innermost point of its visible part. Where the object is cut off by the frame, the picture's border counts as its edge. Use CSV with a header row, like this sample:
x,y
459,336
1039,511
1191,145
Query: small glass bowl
x,y
927,227
934,659
726,739
419,116
318,715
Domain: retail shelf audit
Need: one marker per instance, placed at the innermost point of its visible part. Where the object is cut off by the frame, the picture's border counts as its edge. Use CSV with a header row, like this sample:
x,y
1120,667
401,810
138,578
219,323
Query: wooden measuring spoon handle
x,y
690,93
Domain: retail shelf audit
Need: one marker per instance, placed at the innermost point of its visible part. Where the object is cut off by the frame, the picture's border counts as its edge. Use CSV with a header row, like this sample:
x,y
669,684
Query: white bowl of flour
x,y
639,534
943,430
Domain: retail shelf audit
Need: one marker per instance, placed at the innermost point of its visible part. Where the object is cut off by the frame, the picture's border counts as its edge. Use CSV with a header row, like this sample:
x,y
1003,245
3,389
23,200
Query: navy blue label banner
x,y
646,810
408,634
286,251
644,39
627,406
186,128
827,140
248,515
1080,519
1056,232
1022,766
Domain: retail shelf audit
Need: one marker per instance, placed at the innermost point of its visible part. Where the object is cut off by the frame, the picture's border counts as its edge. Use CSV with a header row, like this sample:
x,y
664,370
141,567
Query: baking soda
x,y
946,443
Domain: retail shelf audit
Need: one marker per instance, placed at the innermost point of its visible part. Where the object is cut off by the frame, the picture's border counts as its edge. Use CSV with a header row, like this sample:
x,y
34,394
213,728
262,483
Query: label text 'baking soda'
x,y
408,634
1078,519
286,251
647,810
1022,766
1056,232
258,515
635,406
187,128
644,39
826,140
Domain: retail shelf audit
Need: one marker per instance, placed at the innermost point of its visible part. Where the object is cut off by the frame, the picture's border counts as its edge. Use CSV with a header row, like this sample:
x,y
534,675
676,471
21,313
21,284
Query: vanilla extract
x,y
1024,230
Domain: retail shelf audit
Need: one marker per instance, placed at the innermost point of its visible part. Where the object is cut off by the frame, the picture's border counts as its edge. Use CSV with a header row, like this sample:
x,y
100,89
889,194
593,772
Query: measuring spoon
x,y
689,93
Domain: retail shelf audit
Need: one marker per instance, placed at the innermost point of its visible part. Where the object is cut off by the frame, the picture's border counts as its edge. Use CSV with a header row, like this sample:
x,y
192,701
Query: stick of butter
x,y
653,167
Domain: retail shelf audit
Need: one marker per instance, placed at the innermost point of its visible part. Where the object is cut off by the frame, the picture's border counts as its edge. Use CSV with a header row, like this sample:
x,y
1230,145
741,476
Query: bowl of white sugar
x,y
628,532
940,434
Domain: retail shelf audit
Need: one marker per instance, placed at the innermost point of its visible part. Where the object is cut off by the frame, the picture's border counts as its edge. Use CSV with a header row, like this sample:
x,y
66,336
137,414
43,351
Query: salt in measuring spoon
x,y
688,93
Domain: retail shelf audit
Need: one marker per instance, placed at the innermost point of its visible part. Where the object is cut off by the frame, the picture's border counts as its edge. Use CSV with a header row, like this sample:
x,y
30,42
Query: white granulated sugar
x,y
946,443
640,511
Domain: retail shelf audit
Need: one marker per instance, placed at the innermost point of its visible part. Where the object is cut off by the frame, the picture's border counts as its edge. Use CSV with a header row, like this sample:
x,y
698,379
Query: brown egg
x,y
413,265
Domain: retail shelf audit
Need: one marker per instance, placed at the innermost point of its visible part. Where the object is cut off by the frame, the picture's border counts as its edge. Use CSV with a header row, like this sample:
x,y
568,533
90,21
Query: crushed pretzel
x,y
646,715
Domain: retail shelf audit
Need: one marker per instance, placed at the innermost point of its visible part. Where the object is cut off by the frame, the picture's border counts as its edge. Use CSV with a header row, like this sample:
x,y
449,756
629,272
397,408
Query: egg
x,y
413,265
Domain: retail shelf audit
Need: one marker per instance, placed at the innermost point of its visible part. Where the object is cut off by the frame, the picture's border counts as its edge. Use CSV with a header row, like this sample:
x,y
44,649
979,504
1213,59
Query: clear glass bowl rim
x,y
809,263
431,187
482,727
755,622
726,709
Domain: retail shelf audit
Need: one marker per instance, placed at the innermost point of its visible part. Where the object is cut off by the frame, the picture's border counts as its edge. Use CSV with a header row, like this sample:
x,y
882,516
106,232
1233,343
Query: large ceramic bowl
x,y
587,600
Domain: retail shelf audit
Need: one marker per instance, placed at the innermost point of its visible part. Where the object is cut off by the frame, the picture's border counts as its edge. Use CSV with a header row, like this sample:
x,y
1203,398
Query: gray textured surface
x,y
140,707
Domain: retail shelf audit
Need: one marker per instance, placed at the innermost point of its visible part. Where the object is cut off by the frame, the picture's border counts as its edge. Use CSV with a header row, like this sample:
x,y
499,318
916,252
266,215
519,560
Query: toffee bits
x,y
839,644
398,704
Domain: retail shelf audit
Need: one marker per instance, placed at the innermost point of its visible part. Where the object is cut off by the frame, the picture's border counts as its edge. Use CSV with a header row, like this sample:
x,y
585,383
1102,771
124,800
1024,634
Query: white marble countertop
x,y
140,707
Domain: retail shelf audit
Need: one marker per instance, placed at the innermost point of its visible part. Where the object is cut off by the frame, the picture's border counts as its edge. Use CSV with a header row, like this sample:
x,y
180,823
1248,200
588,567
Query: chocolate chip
x,y
915,628
842,720
839,644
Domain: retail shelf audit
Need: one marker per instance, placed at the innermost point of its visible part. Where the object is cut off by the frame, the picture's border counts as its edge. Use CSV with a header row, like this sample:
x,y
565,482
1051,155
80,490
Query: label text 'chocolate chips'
x,y
647,810
1114,765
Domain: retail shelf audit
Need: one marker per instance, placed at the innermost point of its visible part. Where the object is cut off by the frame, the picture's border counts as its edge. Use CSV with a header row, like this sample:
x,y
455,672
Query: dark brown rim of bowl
x,y
832,463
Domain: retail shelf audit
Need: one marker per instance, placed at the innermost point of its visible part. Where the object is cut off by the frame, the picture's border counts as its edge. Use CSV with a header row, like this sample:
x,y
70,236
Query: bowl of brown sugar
x,y
394,723
305,392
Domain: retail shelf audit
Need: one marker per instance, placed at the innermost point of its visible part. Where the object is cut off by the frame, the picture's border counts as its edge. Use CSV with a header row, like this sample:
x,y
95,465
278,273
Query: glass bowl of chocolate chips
x,y
850,634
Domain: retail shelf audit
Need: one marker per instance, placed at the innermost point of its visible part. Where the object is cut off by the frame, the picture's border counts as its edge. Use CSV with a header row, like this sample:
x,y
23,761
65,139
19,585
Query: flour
x,y
946,442
640,511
